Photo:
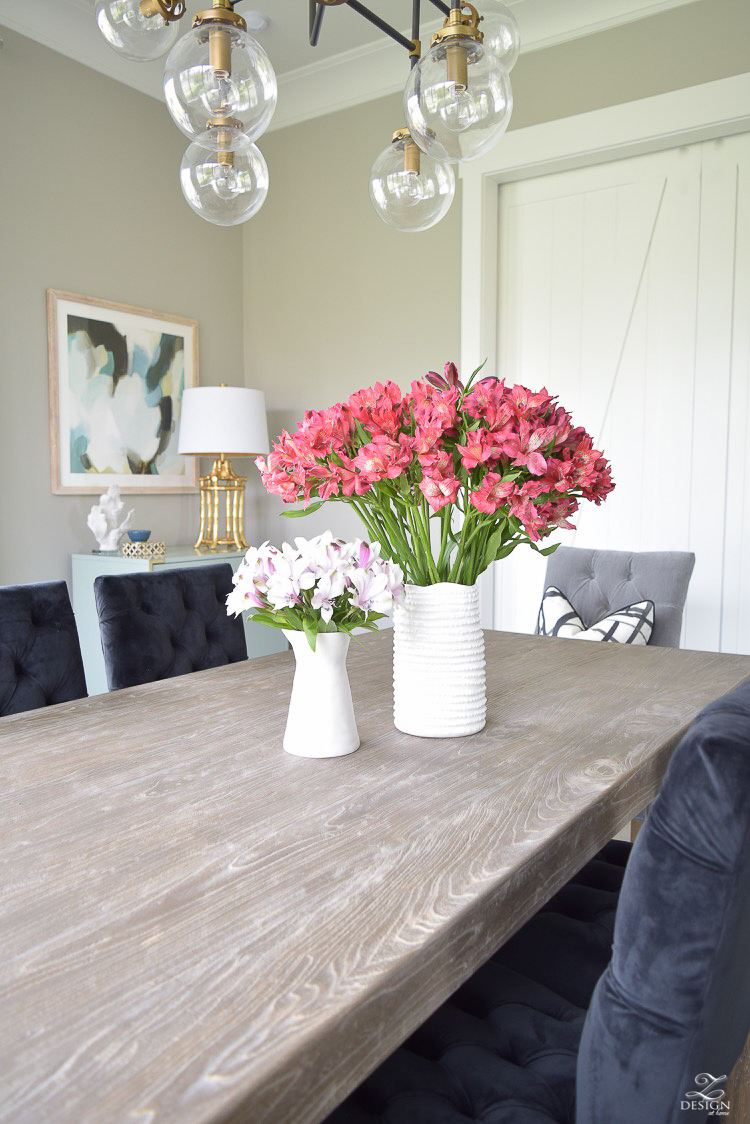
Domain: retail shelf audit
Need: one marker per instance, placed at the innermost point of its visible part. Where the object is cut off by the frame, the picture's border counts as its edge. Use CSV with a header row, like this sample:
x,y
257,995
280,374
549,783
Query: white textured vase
x,y
439,688
321,721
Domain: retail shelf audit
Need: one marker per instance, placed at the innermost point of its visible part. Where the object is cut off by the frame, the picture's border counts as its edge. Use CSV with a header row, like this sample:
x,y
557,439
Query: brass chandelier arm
x,y
170,10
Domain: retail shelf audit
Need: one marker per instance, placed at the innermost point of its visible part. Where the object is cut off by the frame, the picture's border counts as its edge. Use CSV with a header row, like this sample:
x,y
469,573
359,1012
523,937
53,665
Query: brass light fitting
x,y
169,9
455,34
411,151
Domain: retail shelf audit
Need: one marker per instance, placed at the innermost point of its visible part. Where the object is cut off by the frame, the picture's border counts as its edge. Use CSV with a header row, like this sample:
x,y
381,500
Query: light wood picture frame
x,y
117,374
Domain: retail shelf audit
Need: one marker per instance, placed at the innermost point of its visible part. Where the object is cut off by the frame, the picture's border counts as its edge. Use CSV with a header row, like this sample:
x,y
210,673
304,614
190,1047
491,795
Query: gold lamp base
x,y
222,489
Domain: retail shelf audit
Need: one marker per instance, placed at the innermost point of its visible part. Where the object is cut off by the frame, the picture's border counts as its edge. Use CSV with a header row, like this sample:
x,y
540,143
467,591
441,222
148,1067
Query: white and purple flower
x,y
318,585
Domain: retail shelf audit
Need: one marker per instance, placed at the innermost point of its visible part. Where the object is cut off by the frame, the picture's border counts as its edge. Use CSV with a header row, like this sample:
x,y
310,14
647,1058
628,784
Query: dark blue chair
x,y
533,1038
40,654
155,625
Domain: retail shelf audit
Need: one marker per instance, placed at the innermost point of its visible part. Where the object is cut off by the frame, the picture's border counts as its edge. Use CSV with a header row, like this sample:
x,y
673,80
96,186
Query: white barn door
x,y
625,289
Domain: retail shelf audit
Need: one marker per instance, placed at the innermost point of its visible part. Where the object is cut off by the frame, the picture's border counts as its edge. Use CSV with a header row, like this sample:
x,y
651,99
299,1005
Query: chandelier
x,y
221,91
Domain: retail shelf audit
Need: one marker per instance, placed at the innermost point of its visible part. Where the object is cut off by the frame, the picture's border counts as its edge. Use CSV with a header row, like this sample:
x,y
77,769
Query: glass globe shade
x,y
198,92
453,122
131,33
501,35
224,177
410,200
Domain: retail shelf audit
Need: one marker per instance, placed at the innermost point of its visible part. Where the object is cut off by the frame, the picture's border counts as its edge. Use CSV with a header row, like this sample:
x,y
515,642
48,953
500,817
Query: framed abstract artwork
x,y
116,379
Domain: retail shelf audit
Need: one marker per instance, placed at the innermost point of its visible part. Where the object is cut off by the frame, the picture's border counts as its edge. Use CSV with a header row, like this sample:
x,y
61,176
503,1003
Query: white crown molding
x,y
327,85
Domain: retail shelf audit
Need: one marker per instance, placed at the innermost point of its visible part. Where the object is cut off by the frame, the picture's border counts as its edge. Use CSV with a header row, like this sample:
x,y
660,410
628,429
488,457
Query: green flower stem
x,y
422,519
416,545
453,576
406,550
374,532
443,563
421,543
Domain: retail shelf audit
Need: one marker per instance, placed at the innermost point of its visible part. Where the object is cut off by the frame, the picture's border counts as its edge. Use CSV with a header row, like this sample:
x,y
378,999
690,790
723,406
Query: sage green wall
x,y
334,299
90,203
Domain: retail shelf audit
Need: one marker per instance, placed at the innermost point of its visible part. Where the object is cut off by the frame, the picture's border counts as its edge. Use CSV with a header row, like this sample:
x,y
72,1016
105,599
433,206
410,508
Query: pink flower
x,y
524,449
479,447
383,458
446,381
433,409
526,404
439,489
378,408
492,493
555,513
523,508
352,482
487,403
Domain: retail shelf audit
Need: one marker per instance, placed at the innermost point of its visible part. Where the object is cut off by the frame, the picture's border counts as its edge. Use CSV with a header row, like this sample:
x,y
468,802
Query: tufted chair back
x,y
40,656
169,622
674,1002
597,582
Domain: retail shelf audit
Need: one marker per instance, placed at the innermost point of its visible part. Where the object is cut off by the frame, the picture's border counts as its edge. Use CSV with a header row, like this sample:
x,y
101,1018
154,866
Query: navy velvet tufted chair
x,y
524,1041
40,656
160,624
597,582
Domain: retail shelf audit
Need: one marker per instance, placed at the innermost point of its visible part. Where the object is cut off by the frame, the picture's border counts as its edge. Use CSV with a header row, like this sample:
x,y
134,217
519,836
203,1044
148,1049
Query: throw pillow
x,y
631,625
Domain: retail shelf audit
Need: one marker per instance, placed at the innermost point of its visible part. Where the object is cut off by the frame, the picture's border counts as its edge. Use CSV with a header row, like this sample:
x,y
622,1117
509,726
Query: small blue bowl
x,y
138,536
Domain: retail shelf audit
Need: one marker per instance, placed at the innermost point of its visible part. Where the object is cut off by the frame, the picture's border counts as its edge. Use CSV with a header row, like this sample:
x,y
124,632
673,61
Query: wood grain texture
x,y
199,927
738,1088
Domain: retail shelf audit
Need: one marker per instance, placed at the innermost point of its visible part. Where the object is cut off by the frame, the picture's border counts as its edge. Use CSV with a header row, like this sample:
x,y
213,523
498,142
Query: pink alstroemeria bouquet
x,y
508,461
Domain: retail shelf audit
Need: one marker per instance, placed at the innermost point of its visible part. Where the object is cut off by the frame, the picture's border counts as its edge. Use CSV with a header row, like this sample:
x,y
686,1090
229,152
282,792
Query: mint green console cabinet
x,y
261,641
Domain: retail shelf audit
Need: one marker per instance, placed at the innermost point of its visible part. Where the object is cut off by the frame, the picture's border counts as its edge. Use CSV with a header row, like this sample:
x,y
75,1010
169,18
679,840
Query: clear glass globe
x,y
224,177
407,199
131,33
501,35
450,121
199,88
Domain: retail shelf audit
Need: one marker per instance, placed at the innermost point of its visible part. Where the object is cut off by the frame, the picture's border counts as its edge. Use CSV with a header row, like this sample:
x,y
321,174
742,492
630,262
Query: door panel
x,y
621,288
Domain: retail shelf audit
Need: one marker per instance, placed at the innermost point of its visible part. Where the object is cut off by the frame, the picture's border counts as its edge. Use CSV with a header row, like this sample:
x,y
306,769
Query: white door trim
x,y
697,113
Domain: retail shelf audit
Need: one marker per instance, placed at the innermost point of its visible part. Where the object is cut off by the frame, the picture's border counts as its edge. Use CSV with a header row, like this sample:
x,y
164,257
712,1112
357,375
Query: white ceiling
x,y
353,61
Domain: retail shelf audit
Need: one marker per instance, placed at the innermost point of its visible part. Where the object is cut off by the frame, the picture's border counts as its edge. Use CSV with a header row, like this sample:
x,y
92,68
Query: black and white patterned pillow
x,y
631,625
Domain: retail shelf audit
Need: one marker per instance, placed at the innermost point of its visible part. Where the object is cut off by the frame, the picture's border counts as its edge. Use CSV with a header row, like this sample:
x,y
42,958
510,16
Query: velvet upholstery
x,y
597,582
40,655
675,1000
163,623
533,1038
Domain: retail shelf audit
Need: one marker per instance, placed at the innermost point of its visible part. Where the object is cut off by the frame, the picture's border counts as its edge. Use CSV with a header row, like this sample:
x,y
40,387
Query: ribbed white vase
x,y
321,721
439,688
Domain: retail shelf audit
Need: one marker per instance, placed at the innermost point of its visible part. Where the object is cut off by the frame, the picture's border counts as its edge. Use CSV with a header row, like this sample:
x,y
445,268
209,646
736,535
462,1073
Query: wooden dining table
x,y
197,927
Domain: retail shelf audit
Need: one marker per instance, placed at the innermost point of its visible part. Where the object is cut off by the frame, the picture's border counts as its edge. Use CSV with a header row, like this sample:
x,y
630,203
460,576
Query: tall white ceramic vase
x,y
321,721
439,687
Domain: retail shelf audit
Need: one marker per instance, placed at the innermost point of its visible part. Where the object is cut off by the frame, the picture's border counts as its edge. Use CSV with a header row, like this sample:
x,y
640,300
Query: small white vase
x,y
321,721
439,688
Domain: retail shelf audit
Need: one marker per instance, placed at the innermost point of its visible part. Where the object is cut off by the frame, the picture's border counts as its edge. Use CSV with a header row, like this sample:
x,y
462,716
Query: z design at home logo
x,y
707,1095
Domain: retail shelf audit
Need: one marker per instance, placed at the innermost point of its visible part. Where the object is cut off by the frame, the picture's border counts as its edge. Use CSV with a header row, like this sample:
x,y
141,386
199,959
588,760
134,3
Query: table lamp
x,y
232,419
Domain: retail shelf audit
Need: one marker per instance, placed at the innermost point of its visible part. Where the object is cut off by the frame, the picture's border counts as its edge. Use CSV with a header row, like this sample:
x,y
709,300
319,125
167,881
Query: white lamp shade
x,y
223,419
